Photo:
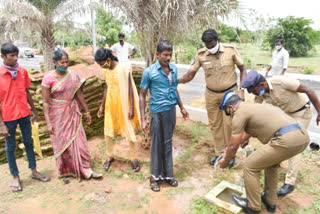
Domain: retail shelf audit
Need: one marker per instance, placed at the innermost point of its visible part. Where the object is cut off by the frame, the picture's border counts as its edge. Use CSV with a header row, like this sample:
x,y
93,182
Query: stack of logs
x,y
93,92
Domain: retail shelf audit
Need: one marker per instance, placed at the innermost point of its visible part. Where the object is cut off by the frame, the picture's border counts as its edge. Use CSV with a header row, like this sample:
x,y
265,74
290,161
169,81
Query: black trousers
x,y
162,127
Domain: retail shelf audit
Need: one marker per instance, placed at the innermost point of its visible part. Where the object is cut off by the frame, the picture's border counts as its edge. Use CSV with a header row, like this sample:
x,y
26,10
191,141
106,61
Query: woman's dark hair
x,y
234,99
102,54
58,55
164,45
209,36
8,48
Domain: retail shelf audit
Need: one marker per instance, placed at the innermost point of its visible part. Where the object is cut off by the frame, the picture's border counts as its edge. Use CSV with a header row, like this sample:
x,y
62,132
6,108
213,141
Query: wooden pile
x,y
93,92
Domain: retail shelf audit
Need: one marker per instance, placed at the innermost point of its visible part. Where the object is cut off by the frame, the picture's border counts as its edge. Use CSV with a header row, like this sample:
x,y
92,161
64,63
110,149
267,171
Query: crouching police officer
x,y
282,137
294,99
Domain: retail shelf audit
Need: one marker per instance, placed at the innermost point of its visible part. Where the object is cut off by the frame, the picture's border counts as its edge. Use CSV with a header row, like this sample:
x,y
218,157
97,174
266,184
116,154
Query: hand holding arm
x,y
187,77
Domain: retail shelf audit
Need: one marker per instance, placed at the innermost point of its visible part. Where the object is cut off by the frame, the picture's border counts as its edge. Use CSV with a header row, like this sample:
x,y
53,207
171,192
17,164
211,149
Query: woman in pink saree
x,y
62,97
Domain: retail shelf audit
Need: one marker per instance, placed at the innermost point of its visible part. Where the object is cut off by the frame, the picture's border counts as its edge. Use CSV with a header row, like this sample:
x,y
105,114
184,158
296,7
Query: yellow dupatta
x,y
124,69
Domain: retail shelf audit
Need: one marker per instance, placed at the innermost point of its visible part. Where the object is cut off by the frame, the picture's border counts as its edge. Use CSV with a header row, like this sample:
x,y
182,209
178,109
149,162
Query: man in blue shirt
x,y
161,79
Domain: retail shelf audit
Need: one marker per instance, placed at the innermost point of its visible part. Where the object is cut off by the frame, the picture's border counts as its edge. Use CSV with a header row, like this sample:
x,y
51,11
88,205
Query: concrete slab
x,y
221,194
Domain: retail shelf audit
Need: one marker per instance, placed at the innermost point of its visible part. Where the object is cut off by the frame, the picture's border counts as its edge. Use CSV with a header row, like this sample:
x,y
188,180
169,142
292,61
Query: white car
x,y
24,50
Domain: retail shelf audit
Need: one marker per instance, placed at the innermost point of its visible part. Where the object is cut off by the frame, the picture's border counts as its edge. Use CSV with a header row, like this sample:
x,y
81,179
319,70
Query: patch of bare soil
x,y
130,192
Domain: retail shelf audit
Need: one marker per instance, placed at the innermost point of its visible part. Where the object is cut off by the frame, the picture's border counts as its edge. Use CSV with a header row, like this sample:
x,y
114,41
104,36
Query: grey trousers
x,y
162,127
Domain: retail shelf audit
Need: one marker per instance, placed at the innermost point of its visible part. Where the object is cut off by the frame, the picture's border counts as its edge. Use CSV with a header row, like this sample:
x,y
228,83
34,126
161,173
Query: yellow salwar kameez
x,y
116,121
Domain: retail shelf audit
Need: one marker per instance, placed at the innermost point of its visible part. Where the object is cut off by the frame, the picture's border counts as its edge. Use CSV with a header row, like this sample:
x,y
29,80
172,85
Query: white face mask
x,y
214,49
278,47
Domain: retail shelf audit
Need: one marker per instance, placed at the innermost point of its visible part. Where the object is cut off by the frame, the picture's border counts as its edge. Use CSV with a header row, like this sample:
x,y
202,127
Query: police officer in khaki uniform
x,y
218,61
294,99
282,137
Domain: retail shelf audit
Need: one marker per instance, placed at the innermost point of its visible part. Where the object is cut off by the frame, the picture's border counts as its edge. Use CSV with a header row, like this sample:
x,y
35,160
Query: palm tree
x,y
40,15
159,19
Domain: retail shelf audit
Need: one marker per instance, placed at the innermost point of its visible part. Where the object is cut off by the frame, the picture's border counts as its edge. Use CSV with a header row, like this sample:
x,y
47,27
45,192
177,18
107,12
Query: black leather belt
x,y
223,90
302,108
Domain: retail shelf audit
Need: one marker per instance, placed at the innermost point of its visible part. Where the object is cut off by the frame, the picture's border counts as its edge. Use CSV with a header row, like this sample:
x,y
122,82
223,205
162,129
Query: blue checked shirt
x,y
162,87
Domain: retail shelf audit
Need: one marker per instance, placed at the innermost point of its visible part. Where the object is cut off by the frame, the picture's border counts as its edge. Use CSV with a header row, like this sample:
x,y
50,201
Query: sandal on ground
x,y
66,180
96,175
135,165
172,182
154,185
16,187
107,164
41,177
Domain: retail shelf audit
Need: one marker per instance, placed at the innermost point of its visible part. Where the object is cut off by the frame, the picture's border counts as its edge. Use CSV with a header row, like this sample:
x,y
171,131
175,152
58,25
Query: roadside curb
x,y
200,115
292,75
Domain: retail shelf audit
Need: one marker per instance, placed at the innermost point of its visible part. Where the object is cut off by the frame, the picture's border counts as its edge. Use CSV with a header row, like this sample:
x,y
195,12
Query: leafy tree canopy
x,y
108,26
297,34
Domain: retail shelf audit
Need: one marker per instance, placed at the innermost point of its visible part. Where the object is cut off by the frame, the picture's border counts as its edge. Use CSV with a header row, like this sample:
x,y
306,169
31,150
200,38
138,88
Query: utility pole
x,y
93,27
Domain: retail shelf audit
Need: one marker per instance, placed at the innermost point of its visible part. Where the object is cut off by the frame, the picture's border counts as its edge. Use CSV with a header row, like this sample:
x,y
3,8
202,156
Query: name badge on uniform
x,y
207,63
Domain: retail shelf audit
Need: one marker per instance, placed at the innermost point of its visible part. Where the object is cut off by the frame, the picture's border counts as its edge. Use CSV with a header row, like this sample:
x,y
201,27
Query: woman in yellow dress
x,y
120,105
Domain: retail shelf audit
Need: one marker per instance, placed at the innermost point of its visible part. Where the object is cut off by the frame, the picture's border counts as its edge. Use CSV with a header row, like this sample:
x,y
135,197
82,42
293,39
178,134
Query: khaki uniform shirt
x,y
220,73
283,93
260,120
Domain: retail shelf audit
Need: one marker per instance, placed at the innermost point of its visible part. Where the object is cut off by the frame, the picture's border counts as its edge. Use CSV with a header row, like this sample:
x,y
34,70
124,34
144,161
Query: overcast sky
x,y
309,9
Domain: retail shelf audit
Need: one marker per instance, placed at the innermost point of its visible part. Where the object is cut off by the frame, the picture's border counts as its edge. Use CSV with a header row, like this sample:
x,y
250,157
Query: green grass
x,y
257,56
200,206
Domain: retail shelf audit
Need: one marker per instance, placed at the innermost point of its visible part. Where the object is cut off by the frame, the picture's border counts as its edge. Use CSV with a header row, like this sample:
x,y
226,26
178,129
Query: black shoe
x,y
270,208
213,160
231,163
285,190
243,203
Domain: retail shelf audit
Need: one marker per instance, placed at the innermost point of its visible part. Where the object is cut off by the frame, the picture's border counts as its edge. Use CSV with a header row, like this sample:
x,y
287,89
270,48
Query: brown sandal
x,y
154,185
107,164
135,165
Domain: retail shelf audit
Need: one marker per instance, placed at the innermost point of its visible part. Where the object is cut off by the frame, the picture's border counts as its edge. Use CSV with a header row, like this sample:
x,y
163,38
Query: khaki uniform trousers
x,y
268,157
220,124
304,117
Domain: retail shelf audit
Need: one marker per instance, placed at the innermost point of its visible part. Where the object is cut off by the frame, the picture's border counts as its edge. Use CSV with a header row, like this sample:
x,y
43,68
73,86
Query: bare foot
x,y
16,185
40,177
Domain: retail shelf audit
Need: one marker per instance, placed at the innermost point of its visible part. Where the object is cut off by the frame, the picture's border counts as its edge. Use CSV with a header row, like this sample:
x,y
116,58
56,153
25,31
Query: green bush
x,y
308,70
189,51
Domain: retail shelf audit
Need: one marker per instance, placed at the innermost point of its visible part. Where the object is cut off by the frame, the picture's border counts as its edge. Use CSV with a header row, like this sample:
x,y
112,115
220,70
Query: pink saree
x,y
69,142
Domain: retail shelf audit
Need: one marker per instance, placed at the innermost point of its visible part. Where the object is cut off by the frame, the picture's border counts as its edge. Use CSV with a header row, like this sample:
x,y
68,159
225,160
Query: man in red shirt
x,y
14,110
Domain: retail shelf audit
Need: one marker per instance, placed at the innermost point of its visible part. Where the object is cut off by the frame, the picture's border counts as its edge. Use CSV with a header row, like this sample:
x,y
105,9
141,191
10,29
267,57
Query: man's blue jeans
x,y
25,127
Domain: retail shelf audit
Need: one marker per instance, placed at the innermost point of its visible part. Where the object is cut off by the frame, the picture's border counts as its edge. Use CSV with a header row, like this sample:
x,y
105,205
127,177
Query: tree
x,y
39,15
297,34
108,26
168,19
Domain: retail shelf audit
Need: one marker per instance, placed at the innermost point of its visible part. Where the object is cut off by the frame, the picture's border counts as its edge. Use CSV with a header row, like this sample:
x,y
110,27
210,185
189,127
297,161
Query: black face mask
x,y
121,41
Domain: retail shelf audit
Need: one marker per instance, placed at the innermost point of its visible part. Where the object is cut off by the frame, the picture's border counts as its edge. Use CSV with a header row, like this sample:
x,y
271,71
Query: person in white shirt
x,y
280,60
122,49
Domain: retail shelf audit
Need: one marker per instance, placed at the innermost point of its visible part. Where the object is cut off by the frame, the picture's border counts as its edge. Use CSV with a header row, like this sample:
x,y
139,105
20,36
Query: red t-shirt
x,y
13,95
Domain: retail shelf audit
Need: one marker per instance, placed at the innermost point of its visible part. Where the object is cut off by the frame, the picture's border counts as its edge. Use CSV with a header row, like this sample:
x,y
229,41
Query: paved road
x,y
193,89
196,88
29,63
